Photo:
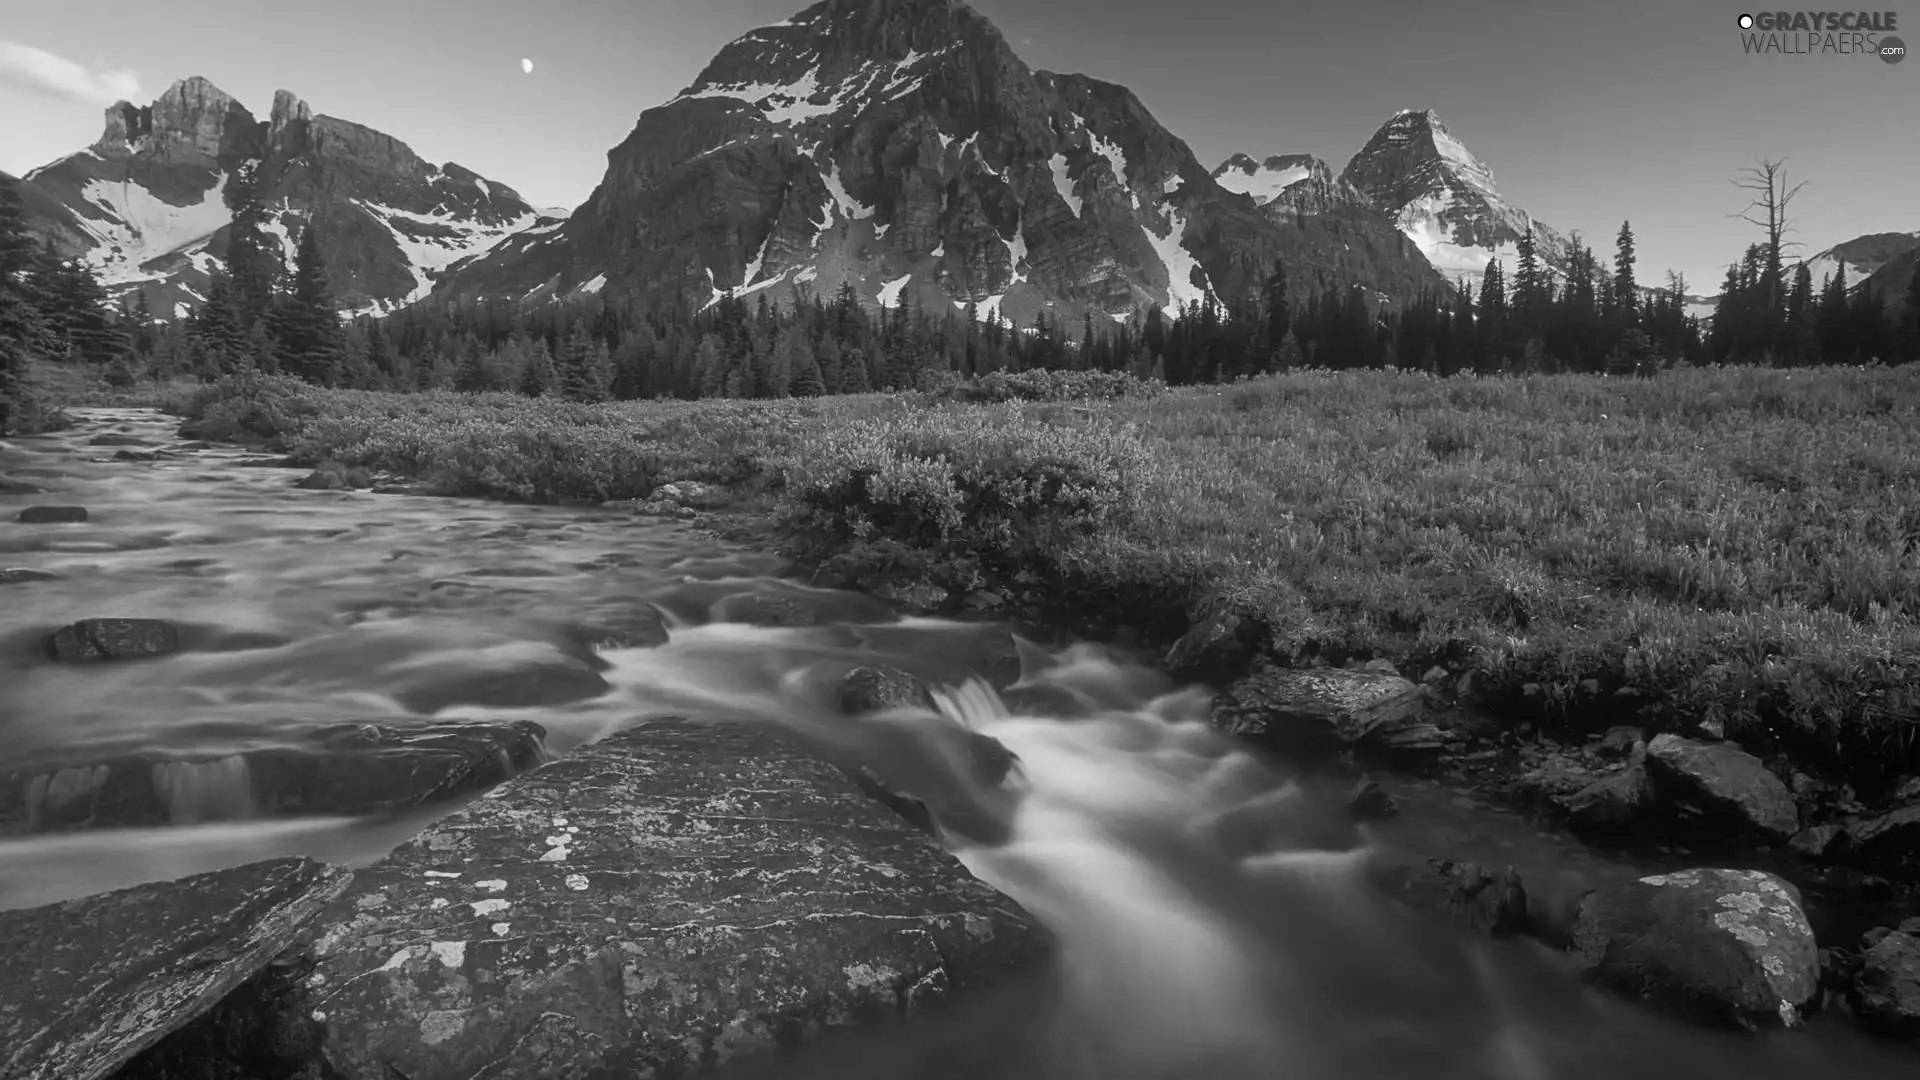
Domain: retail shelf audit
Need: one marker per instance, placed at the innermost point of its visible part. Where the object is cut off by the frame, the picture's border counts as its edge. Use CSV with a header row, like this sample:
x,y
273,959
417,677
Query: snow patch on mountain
x,y
890,292
1262,183
1180,263
138,227
593,284
433,242
1017,253
1063,184
851,209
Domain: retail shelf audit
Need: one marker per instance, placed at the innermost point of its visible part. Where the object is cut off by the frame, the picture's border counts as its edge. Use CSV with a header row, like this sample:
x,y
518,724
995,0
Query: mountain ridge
x,y
902,148
145,201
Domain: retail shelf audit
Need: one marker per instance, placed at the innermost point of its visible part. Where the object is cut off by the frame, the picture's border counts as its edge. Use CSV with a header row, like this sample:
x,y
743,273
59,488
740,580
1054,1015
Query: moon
x,y
526,65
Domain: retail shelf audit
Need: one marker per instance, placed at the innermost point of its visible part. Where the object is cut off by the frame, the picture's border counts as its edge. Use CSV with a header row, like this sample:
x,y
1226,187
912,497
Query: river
x,y
1179,958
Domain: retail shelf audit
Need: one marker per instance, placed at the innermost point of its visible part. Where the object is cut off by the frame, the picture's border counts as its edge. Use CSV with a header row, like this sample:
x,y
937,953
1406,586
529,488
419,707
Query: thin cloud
x,y
56,76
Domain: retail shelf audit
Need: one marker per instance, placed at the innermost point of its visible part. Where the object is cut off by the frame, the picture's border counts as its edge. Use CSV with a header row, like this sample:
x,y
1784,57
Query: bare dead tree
x,y
1767,181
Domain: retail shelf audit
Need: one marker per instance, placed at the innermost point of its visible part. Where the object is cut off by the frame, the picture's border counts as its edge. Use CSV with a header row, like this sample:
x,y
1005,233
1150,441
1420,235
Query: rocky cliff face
x,y
1862,256
1444,198
902,146
145,202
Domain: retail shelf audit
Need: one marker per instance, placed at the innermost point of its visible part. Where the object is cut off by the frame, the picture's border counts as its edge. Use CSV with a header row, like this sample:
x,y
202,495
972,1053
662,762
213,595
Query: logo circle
x,y
1746,22
1892,49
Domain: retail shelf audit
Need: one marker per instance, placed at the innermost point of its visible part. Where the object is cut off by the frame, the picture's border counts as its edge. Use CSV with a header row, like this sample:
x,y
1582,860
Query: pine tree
x,y
538,376
854,374
1625,290
307,323
1279,308
253,256
1529,286
709,367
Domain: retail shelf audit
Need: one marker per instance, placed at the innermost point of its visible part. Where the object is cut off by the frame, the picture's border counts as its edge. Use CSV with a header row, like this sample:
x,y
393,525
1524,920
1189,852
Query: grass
x,y
1728,544
50,387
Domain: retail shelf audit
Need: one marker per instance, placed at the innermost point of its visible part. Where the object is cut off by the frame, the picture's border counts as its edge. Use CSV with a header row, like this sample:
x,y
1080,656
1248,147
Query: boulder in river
x,y
339,769
52,515
1492,902
93,982
1721,779
1715,946
19,575
1886,992
110,439
672,897
10,486
113,639
1319,708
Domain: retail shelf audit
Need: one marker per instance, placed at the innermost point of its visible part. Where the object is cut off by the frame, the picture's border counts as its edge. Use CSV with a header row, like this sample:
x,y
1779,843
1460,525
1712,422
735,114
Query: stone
x,y
1723,779
1893,834
52,515
19,575
1816,842
1886,990
757,609
338,769
1380,666
1304,710
323,481
11,486
1619,741
866,689
1370,802
690,493
1725,947
137,455
523,682
93,982
1488,901
672,897
1617,799
111,439
264,1030
1436,676
112,639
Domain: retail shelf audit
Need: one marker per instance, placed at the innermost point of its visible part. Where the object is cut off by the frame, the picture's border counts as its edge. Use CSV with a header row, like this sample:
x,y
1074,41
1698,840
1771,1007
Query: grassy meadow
x,y
1736,544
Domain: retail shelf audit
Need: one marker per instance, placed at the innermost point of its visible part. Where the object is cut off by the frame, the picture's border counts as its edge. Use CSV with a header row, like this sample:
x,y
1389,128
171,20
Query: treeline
x,y
259,315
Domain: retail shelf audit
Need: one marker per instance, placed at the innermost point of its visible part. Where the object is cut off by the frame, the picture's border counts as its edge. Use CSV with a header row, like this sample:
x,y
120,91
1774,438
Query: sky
x,y
1587,114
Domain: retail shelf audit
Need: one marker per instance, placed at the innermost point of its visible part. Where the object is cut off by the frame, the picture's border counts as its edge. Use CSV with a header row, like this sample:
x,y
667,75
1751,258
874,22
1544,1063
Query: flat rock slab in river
x,y
675,895
112,639
51,515
338,769
92,982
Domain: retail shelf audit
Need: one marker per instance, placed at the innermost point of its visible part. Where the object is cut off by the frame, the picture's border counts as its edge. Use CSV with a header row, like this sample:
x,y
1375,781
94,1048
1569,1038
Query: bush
x,y
1043,385
994,482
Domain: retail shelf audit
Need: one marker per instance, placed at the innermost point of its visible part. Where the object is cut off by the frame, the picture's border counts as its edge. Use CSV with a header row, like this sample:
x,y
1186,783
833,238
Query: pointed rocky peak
x,y
193,120
840,55
287,109
1411,155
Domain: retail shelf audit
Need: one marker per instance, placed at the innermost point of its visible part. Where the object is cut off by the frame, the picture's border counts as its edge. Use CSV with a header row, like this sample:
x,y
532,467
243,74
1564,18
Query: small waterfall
x,y
201,791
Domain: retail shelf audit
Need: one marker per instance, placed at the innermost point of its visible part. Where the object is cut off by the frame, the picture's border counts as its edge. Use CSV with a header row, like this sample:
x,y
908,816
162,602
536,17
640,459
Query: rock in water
x,y
1303,710
1886,995
339,769
113,639
52,515
674,896
92,982
1727,780
1717,946
1490,902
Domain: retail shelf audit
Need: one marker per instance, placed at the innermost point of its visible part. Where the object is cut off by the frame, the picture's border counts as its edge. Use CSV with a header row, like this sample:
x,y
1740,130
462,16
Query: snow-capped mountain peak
x,y
1444,198
145,204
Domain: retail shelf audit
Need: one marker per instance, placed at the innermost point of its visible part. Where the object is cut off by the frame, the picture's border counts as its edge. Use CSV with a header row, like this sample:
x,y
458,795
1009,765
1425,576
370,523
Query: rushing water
x,y
1210,907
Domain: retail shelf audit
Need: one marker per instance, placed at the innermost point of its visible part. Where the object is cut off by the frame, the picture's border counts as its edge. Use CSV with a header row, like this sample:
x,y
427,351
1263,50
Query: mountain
x,y
1861,256
1895,276
901,147
1445,199
144,203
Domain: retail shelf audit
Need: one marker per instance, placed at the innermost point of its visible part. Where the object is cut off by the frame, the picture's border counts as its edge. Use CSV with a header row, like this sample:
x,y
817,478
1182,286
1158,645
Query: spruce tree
x,y
1625,290
1909,335
253,255
538,376
309,326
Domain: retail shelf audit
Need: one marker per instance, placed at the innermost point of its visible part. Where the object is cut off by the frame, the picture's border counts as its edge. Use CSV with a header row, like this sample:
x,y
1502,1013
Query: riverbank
x,y
1733,547
468,538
